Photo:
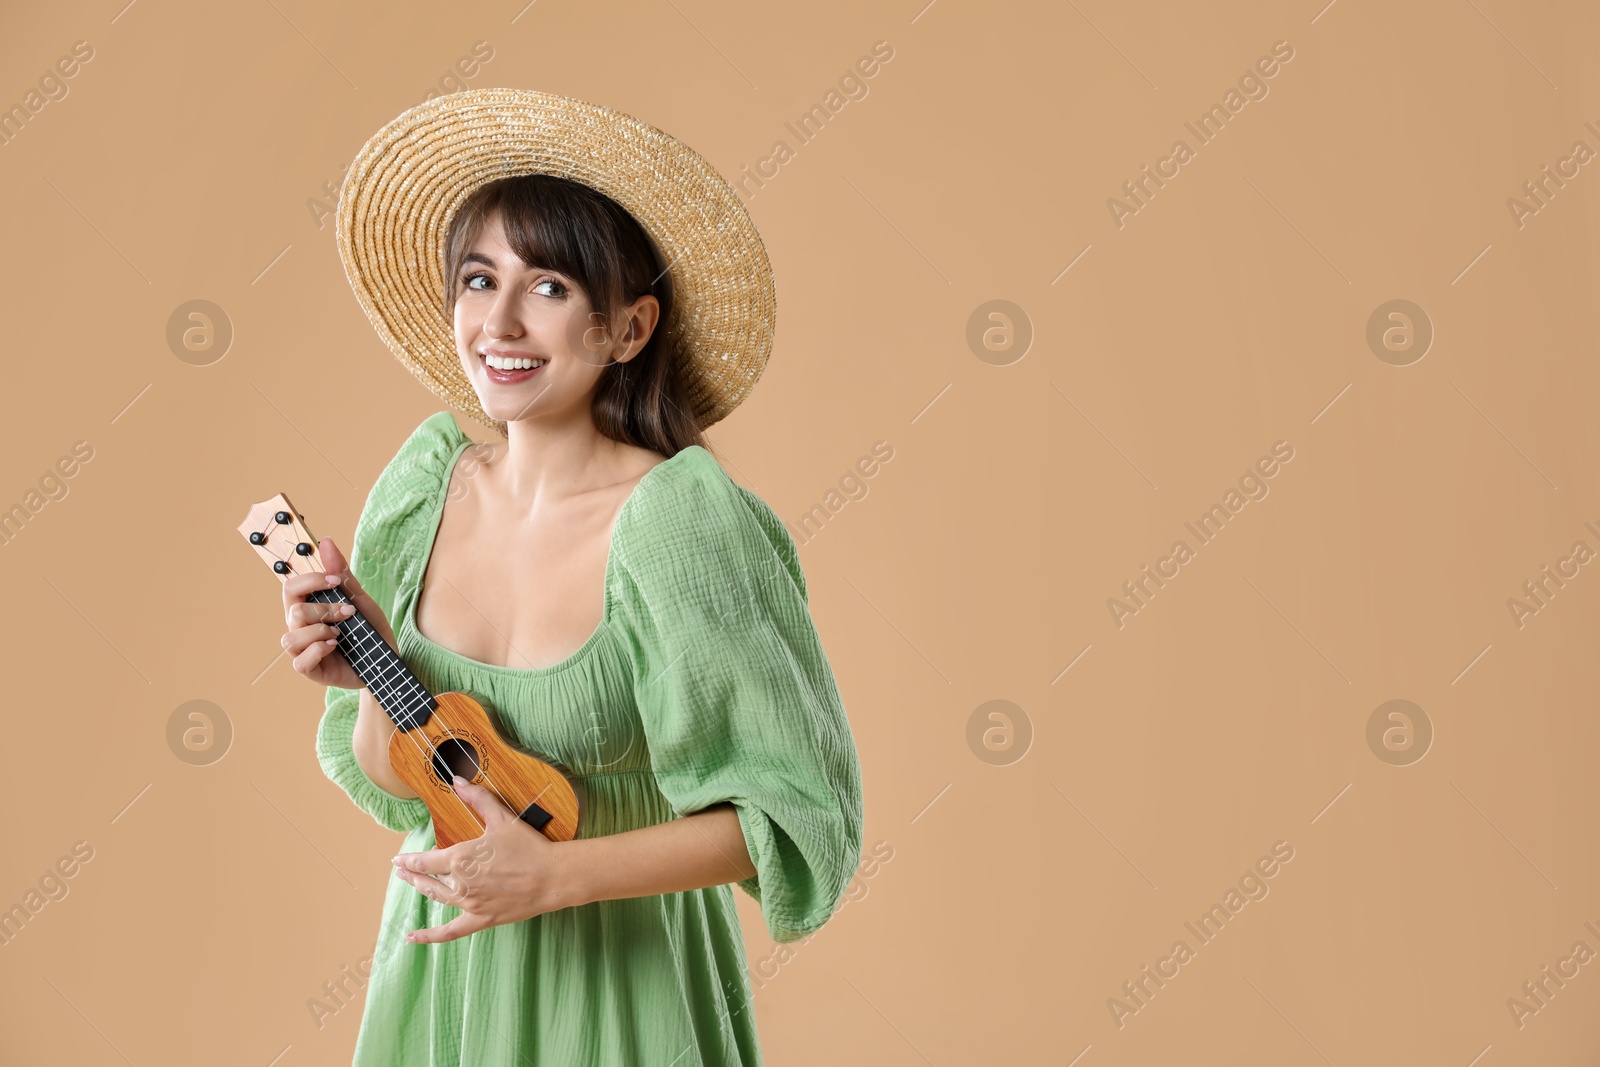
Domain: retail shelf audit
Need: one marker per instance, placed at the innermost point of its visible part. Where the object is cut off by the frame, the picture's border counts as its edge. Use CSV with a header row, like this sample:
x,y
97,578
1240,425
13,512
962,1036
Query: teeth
x,y
499,363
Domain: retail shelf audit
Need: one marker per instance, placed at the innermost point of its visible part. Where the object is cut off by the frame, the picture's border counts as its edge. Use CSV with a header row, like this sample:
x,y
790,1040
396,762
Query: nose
x,y
505,314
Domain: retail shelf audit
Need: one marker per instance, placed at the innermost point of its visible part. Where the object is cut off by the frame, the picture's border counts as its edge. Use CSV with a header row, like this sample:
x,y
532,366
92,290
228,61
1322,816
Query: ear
x,y
639,320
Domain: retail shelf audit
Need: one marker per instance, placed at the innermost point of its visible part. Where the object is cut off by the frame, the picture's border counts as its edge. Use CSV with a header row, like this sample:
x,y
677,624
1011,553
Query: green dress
x,y
704,682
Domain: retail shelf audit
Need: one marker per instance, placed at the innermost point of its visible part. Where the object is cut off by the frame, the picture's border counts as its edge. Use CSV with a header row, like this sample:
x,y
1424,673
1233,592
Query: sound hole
x,y
454,757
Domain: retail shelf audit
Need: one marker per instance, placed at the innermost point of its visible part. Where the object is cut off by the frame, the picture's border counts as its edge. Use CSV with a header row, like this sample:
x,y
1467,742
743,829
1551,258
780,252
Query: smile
x,y
509,371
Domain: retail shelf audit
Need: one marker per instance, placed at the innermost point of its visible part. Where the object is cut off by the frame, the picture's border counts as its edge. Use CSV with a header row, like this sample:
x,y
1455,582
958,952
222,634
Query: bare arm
x,y
693,852
370,741
514,872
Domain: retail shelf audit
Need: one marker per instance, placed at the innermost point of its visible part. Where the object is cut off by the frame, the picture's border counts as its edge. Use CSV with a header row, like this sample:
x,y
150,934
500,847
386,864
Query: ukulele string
x,y
490,781
433,751
315,568
439,713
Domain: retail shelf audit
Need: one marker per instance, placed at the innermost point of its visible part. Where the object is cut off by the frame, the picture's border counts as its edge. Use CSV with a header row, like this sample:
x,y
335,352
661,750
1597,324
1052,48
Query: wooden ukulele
x,y
436,736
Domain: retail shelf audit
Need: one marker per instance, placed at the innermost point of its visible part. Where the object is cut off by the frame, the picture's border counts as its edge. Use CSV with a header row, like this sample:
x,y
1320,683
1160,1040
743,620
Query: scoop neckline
x,y
441,494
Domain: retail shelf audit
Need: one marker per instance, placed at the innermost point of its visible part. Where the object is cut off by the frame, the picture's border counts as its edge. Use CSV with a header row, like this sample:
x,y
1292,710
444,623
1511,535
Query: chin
x,y
503,408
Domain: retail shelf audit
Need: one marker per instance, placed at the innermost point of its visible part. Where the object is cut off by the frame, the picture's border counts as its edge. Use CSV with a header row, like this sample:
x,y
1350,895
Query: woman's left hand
x,y
512,872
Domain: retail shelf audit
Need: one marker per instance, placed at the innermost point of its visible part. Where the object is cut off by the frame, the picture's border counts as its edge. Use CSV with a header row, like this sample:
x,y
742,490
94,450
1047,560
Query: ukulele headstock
x,y
278,533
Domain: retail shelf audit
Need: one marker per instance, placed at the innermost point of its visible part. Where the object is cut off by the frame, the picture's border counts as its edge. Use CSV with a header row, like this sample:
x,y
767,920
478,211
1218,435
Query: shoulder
x,y
776,534
423,456
435,438
688,518
406,488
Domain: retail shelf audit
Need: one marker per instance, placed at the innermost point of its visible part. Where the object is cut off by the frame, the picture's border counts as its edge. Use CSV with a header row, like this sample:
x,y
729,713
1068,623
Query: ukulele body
x,y
458,738
435,738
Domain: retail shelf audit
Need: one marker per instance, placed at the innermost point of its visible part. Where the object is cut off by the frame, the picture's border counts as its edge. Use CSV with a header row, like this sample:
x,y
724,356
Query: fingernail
x,y
347,609
458,780
333,579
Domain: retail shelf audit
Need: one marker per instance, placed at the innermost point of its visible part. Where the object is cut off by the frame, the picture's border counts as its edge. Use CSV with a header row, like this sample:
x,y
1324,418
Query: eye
x,y
550,287
469,279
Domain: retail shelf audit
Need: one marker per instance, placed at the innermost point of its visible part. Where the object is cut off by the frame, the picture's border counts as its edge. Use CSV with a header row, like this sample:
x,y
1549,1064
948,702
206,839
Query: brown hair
x,y
567,226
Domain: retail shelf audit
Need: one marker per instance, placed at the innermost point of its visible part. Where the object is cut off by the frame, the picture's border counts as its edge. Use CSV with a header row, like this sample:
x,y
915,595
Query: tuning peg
x,y
281,567
257,538
304,549
282,518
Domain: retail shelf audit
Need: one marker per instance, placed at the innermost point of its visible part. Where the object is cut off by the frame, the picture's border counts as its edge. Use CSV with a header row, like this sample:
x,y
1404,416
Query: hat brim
x,y
404,187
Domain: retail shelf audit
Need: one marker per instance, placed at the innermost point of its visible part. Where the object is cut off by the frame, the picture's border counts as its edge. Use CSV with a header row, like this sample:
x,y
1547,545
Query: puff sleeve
x,y
389,539
736,697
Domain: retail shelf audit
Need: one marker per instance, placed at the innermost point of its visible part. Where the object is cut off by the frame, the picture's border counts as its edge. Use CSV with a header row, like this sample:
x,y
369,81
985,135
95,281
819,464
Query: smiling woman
x,y
583,271
590,289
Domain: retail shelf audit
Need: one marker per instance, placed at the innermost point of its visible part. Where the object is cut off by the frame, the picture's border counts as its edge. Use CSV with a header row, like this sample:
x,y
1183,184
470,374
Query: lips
x,y
508,377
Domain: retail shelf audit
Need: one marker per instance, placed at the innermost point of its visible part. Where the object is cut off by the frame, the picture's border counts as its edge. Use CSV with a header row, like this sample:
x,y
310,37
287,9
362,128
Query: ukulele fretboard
x,y
392,684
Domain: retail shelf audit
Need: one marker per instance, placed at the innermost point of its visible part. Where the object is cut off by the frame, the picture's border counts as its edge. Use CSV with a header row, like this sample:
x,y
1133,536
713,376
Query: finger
x,y
490,808
469,865
304,584
299,586
462,925
370,609
313,655
332,559
434,861
306,612
440,890
359,596
297,641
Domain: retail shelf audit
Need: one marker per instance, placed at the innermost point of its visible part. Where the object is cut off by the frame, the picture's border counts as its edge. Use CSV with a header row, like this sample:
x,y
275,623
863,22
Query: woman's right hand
x,y
312,637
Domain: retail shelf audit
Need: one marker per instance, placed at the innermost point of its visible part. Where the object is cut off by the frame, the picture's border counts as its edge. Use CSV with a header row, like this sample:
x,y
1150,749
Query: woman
x,y
624,608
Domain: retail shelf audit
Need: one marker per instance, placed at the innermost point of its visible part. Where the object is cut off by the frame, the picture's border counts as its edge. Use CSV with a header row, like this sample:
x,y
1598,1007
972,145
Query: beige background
x,y
1229,313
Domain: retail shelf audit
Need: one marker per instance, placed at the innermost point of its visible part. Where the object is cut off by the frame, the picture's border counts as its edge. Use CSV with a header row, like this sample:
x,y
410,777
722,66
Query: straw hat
x,y
404,188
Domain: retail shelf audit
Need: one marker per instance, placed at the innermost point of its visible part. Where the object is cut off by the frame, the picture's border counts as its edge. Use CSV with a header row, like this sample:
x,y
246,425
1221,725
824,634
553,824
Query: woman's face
x,y
507,310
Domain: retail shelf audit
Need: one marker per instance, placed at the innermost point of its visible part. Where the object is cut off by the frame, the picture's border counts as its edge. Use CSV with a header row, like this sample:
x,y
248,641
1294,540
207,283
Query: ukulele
x,y
436,735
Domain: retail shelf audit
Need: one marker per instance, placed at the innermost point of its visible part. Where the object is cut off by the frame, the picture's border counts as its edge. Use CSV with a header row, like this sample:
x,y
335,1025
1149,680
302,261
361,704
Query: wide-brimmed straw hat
x,y
407,182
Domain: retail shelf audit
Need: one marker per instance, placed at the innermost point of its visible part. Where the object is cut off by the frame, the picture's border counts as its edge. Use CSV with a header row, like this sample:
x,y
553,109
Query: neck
x,y
380,667
544,460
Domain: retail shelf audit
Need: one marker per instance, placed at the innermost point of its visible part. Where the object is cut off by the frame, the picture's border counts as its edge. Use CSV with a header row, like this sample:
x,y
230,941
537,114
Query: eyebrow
x,y
479,257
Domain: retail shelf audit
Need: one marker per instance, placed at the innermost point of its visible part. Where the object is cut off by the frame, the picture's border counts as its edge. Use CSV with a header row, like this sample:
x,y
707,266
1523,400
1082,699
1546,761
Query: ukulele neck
x,y
385,674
